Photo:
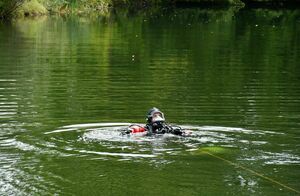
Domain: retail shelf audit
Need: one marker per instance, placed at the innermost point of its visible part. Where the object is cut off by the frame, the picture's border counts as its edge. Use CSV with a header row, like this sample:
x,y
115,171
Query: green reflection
x,y
212,65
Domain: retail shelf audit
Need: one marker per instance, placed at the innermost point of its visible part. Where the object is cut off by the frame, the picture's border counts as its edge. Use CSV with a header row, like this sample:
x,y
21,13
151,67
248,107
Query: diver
x,y
156,124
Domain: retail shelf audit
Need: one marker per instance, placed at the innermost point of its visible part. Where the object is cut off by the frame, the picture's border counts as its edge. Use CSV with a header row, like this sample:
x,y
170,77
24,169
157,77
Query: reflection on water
x,y
232,76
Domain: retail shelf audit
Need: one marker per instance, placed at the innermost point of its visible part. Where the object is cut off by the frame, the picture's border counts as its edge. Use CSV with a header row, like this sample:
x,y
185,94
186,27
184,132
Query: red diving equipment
x,y
137,129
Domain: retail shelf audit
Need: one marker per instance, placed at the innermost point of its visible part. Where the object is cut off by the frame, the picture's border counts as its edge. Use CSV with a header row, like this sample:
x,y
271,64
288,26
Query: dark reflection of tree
x,y
7,7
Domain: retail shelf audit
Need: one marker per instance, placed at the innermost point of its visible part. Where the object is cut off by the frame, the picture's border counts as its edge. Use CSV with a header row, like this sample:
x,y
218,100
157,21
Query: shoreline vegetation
x,y
24,8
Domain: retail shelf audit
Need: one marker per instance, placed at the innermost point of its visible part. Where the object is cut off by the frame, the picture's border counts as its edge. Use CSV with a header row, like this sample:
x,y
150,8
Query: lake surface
x,y
232,76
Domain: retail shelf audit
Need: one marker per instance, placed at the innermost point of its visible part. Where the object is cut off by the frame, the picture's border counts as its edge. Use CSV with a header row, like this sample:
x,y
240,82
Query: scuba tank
x,y
137,129
134,129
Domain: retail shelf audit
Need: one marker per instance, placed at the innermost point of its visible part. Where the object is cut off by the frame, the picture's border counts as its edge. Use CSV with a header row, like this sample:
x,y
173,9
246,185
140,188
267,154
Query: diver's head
x,y
155,117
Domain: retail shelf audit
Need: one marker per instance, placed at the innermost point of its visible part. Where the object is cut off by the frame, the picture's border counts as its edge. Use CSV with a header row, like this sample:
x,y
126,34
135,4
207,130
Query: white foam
x,y
88,125
118,154
60,130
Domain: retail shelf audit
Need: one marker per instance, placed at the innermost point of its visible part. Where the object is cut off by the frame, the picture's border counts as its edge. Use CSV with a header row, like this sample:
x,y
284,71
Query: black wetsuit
x,y
157,128
164,128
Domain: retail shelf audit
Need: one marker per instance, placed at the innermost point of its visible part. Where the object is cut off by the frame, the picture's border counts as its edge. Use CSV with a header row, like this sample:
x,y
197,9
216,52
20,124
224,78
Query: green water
x,y
231,76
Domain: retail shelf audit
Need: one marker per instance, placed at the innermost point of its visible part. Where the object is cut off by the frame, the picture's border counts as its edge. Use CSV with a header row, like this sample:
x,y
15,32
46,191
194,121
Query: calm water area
x,y
67,84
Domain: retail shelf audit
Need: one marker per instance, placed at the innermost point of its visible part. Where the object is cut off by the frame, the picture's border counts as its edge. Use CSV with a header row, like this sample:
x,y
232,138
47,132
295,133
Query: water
x,y
68,84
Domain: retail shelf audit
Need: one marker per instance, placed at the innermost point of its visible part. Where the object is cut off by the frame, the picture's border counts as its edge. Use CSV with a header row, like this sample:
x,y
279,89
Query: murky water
x,y
67,85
